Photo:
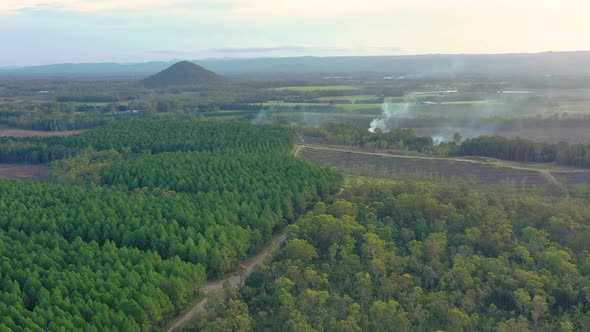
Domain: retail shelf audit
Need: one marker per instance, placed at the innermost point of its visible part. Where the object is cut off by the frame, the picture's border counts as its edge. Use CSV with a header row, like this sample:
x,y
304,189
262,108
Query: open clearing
x,y
395,167
16,132
22,172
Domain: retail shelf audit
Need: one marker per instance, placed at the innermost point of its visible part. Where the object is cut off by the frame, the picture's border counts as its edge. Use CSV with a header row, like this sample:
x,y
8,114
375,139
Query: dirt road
x,y
234,281
298,148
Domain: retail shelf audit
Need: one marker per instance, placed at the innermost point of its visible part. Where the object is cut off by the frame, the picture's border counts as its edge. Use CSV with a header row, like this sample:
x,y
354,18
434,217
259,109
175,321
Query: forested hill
x,y
182,73
181,202
152,137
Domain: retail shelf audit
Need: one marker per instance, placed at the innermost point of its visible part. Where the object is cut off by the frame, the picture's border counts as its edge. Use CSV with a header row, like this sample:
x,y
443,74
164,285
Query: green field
x,y
309,88
468,102
352,99
345,107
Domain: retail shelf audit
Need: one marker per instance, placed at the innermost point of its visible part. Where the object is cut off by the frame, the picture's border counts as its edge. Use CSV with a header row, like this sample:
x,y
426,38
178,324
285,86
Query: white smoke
x,y
262,116
299,116
390,115
437,139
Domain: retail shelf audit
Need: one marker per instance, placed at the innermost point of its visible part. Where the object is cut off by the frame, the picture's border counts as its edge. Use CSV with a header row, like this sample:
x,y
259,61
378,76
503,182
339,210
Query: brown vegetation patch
x,y
22,172
573,177
410,168
16,132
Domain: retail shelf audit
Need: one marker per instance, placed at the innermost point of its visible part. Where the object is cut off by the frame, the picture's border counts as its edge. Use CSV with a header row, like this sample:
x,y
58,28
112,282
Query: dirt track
x,y
297,150
234,281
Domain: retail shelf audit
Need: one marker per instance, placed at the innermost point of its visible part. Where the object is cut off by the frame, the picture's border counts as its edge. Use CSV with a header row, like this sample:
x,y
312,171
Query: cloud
x,y
298,49
245,50
277,9
393,49
119,7
116,30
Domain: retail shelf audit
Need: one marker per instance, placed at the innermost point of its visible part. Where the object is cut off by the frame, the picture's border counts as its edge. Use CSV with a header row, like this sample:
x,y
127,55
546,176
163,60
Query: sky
x,y
36,32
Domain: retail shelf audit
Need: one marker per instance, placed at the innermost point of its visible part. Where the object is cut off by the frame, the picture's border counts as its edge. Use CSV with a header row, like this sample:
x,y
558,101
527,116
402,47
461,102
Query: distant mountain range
x,y
525,64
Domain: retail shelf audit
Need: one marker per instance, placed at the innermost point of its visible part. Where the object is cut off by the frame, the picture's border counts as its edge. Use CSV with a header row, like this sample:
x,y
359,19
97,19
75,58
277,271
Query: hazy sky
x,y
57,31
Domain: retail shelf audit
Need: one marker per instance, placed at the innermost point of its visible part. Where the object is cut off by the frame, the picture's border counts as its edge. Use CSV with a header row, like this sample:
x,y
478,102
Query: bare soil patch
x,y
381,166
22,172
573,177
16,132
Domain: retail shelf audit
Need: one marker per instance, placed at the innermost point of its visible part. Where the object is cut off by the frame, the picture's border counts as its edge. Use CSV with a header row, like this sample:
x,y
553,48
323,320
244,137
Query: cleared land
x,y
572,177
16,132
397,166
22,172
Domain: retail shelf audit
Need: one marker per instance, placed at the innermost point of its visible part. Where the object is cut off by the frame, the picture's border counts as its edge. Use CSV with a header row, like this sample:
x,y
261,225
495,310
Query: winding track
x,y
235,281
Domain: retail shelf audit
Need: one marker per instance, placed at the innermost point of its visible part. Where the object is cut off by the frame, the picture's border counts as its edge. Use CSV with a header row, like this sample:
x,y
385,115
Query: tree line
x,y
49,116
519,149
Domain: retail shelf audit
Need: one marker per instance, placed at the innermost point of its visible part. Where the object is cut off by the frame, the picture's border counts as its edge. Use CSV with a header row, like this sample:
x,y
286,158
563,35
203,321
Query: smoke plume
x,y
390,115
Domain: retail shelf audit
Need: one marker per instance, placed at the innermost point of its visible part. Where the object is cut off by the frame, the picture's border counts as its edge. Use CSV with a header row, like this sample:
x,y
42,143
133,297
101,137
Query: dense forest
x,y
151,137
170,204
408,256
50,283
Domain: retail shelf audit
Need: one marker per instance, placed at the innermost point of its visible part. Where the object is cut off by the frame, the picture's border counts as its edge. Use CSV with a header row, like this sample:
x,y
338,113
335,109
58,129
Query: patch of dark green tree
x,y
165,206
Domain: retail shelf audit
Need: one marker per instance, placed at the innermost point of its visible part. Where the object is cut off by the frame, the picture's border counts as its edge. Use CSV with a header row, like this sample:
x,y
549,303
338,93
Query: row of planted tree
x,y
172,204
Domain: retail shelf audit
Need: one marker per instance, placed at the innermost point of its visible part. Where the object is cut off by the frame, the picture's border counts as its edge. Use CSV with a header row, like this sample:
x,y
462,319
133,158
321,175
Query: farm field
x,y
306,88
345,107
349,98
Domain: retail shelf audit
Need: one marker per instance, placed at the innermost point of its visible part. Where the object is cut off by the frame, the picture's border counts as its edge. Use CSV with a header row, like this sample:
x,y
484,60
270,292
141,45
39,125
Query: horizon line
x,y
9,66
